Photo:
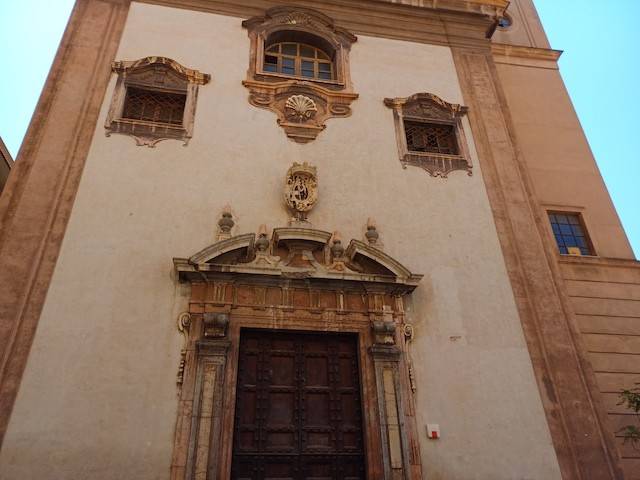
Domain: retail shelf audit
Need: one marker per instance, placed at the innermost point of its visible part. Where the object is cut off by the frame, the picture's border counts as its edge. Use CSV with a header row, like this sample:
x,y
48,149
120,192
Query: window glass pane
x,y
324,67
565,229
270,63
307,69
324,75
288,66
568,232
290,48
322,55
577,230
274,48
306,51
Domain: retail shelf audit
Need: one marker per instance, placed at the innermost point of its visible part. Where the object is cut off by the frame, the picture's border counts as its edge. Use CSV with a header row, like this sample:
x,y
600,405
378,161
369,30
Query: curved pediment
x,y
298,253
240,243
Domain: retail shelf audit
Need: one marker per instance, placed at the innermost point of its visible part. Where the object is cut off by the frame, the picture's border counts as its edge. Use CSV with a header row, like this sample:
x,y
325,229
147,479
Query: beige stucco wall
x,y
98,398
564,173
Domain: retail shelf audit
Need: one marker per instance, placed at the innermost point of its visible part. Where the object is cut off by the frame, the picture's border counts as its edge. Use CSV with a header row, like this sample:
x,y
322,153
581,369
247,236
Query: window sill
x,y
437,164
278,76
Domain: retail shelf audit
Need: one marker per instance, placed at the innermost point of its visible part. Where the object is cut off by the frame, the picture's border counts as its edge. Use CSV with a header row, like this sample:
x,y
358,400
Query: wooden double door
x,y
298,408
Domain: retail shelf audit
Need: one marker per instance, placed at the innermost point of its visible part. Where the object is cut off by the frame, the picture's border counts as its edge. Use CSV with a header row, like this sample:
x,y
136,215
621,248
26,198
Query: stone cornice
x,y
460,23
525,56
583,261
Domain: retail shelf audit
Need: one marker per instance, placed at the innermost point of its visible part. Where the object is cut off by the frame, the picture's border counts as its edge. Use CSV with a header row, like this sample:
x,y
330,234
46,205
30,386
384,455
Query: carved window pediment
x,y
307,84
154,100
430,134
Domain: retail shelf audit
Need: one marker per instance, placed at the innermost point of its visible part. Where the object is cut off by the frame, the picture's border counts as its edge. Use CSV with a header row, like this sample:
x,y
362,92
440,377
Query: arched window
x,y
299,69
298,59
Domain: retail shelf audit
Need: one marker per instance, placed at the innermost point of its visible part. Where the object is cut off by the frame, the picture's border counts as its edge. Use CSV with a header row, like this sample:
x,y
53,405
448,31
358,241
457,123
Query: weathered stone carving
x,y
302,104
155,74
215,324
431,109
225,224
384,332
295,252
184,322
320,105
372,234
301,190
300,108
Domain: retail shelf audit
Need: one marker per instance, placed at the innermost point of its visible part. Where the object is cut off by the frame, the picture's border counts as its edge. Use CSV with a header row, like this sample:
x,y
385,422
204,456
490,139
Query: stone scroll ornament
x,y
301,190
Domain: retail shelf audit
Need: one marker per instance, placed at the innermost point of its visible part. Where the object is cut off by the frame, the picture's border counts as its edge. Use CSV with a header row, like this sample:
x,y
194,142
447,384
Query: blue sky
x,y
599,65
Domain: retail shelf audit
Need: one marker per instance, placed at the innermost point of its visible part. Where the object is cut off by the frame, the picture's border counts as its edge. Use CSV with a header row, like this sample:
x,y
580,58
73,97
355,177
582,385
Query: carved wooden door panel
x,y
298,409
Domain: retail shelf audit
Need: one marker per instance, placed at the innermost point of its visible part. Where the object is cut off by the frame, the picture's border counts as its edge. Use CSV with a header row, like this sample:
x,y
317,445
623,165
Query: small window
x,y
570,234
431,138
154,106
298,59
505,22
430,134
154,99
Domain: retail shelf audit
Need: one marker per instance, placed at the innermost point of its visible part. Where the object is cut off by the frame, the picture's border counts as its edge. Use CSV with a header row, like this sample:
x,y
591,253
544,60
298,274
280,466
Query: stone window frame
x,y
301,24
430,109
582,223
158,74
302,105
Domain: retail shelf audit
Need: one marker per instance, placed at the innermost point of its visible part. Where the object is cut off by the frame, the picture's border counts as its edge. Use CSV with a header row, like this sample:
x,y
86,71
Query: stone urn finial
x,y
337,250
225,224
262,243
372,234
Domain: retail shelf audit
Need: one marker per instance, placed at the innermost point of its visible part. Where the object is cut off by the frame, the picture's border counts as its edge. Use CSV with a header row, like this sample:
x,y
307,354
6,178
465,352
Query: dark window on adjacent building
x,y
431,137
154,106
570,234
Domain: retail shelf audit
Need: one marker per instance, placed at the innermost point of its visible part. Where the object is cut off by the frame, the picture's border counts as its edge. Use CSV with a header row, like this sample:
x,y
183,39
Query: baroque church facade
x,y
338,239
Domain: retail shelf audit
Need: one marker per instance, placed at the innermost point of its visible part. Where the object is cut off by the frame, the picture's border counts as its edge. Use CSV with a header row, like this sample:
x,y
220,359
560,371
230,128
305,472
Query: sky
x,y
600,68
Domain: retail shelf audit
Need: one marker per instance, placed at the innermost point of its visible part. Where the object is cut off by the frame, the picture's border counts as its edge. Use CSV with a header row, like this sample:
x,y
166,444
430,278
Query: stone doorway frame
x,y
235,285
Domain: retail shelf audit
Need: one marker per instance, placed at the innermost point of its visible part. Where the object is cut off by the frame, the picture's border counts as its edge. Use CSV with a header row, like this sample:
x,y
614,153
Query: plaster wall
x,y
560,162
98,398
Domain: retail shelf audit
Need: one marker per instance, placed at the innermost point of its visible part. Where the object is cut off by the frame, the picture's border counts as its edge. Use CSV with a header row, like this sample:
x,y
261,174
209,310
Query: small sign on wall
x,y
433,431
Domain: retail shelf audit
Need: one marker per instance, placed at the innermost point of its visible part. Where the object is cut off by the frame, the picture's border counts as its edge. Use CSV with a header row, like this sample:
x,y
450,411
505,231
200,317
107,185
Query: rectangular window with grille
x,y
570,234
154,106
431,138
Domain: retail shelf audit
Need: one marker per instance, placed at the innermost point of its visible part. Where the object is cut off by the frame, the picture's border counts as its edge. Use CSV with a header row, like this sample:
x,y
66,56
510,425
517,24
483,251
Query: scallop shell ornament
x,y
300,108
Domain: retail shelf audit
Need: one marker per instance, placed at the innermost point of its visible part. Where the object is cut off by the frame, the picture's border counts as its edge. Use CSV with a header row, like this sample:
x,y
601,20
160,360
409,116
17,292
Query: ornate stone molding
x,y
184,322
431,109
303,125
298,253
155,74
301,190
127,67
302,105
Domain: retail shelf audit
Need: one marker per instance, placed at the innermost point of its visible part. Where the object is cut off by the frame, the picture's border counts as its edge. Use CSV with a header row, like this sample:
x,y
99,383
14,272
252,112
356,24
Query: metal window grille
x,y
431,138
569,232
154,106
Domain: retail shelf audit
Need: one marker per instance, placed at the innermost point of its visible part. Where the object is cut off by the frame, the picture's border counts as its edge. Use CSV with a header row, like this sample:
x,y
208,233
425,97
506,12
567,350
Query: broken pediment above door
x,y
292,252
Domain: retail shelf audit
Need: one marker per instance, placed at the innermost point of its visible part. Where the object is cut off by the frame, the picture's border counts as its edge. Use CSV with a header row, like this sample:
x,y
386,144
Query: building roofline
x,y
6,155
